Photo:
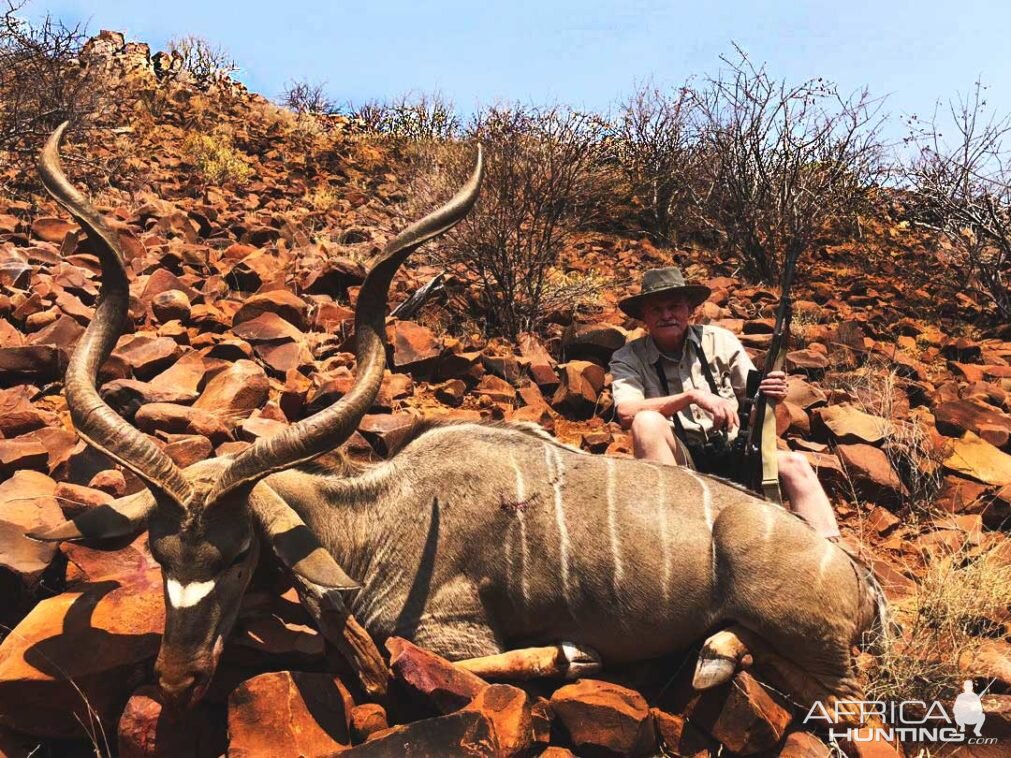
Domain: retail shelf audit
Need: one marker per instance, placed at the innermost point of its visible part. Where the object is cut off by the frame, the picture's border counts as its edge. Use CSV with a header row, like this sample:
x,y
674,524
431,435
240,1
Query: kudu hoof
x,y
720,658
575,661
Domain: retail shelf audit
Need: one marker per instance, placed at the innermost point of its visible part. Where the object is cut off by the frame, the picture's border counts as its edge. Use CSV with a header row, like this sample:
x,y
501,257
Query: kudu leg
x,y
736,647
566,660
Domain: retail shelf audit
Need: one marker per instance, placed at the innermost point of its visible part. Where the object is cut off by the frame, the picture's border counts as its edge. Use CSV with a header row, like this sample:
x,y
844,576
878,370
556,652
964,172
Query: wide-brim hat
x,y
664,281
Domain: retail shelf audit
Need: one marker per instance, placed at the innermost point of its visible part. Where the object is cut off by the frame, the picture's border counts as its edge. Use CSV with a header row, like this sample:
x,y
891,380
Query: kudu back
x,y
473,539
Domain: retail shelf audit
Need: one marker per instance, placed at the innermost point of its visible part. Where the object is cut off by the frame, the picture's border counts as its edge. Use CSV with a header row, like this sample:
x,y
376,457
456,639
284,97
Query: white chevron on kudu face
x,y
187,595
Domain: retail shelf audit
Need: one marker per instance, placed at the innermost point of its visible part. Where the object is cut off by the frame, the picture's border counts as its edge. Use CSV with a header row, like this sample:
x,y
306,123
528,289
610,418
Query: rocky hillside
x,y
248,231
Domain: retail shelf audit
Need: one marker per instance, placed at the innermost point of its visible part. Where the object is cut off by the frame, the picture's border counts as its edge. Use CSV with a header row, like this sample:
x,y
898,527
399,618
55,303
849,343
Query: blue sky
x,y
587,53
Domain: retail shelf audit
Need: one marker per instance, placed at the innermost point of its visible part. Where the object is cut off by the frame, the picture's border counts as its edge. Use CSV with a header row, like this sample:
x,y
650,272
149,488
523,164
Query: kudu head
x,y
206,522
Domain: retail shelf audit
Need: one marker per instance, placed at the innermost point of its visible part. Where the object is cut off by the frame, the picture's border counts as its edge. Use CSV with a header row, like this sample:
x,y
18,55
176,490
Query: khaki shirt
x,y
633,368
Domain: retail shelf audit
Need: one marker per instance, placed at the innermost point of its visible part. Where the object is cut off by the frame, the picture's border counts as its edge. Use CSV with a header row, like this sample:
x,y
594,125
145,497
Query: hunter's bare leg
x,y
806,495
653,439
566,660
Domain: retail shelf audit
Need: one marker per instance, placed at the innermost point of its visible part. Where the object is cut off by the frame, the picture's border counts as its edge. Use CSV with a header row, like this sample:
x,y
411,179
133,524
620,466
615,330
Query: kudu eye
x,y
239,558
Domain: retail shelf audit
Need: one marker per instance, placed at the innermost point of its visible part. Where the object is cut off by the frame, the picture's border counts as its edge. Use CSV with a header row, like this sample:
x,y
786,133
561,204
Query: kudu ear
x,y
294,543
121,518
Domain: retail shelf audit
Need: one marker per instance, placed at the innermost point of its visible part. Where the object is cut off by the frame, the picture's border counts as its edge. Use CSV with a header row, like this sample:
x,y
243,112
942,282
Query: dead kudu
x,y
492,545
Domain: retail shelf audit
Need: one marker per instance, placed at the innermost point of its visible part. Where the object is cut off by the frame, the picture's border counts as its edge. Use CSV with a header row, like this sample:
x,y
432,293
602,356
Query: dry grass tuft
x,y
962,597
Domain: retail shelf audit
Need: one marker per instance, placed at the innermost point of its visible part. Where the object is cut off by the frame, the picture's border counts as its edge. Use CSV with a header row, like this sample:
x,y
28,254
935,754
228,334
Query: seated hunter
x,y
679,389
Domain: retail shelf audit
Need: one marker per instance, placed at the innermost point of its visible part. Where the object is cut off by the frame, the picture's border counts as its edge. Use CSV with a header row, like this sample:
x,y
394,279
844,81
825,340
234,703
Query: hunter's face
x,y
667,318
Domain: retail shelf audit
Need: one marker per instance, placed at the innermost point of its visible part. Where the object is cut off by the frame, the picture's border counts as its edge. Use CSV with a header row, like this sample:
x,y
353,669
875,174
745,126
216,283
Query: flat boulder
x,y
148,729
27,502
147,355
872,472
466,733
414,346
283,303
742,715
605,718
580,387
235,392
289,714
507,709
977,459
48,688
430,678
847,423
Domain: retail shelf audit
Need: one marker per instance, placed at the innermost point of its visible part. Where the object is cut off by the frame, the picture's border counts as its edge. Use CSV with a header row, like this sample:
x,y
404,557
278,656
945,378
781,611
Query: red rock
x,y
48,688
742,715
236,391
507,708
257,427
414,346
86,564
868,746
367,719
25,452
394,387
75,498
600,716
110,481
977,459
171,305
282,303
680,737
846,423
496,389
384,431
581,384
872,472
289,713
181,419
37,363
26,502
806,361
542,366
17,414
267,327
147,355
148,729
466,366
465,733
504,366
956,417
451,392
804,745
52,229
125,396
592,342
432,679
187,449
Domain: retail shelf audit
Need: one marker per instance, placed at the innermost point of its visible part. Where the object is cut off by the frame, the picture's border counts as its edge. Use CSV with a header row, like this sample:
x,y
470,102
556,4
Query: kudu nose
x,y
179,689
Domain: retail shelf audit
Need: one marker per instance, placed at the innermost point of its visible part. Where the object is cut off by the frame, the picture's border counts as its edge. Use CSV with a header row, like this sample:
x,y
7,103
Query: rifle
x,y
760,465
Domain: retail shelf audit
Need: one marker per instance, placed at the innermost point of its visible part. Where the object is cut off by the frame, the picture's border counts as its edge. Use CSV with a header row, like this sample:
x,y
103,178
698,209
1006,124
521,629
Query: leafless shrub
x,y
539,163
783,161
657,149
963,190
41,82
416,118
205,62
304,97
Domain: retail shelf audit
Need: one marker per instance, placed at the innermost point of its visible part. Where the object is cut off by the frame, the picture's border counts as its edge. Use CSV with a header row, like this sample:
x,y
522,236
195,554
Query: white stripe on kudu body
x,y
665,546
707,498
556,474
521,498
612,525
187,595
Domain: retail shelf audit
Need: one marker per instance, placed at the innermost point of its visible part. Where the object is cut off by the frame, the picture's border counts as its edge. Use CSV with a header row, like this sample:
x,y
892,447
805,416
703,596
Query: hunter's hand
x,y
774,386
722,410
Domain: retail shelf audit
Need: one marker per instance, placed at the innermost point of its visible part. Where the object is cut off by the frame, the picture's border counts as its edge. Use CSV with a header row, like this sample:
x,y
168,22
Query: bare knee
x,y
795,467
649,425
